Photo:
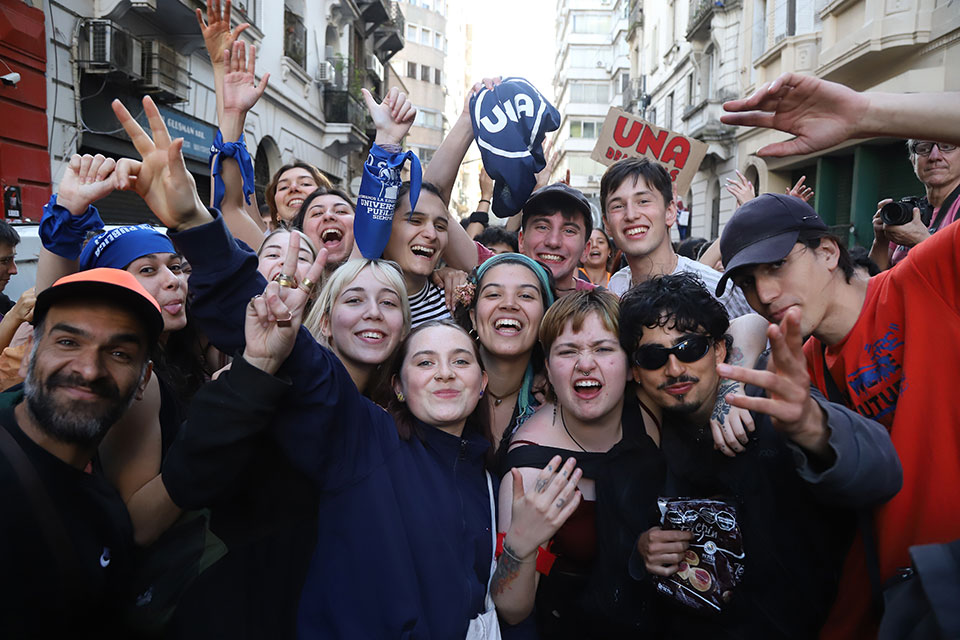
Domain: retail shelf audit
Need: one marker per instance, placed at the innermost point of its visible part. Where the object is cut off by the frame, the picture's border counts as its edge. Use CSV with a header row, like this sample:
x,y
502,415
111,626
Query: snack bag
x,y
713,565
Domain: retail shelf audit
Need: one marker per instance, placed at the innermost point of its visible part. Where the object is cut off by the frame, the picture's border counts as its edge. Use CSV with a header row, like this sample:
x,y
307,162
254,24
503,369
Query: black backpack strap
x,y
945,207
51,525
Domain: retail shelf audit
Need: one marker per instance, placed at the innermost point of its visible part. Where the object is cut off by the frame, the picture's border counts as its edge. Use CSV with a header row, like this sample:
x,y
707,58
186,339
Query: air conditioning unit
x,y
165,72
593,179
326,73
375,66
107,48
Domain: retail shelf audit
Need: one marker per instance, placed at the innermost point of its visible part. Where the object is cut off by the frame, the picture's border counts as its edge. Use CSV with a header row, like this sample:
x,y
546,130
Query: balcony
x,y
634,100
635,21
701,12
374,12
346,116
389,36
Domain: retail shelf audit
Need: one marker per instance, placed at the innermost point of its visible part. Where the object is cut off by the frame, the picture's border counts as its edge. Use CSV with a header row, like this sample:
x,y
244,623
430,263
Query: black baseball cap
x,y
764,230
104,283
555,198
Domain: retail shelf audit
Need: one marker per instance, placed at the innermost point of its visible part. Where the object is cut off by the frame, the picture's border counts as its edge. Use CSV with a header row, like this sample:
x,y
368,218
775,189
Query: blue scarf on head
x,y
123,245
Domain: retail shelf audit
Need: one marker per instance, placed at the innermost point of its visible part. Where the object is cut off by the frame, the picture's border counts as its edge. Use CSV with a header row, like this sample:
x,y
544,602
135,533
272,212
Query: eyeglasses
x,y
924,148
654,356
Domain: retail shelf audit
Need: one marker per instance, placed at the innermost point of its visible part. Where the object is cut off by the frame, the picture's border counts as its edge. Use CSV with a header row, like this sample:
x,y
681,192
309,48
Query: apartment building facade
x,y
592,73
319,53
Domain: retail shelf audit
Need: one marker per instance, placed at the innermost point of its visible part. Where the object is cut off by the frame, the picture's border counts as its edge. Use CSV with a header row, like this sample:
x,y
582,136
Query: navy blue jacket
x,y
404,534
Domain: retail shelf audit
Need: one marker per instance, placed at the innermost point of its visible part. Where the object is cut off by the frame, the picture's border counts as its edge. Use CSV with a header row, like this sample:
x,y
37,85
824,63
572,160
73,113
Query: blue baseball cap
x,y
509,124
764,230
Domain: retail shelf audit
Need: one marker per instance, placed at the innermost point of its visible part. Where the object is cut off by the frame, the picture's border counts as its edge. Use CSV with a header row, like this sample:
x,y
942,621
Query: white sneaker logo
x,y
105,557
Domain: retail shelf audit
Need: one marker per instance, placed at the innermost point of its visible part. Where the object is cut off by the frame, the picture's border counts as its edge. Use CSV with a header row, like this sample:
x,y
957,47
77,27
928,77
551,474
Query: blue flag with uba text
x,y
509,124
378,198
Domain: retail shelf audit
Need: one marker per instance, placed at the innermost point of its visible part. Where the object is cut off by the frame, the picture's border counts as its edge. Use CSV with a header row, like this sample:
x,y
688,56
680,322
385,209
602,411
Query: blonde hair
x,y
387,272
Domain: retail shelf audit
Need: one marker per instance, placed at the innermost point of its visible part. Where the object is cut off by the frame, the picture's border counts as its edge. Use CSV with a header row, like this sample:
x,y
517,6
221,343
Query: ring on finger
x,y
306,285
286,281
285,322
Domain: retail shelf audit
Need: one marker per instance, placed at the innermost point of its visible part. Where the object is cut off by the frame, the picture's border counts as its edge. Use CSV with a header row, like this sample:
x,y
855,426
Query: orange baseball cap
x,y
115,285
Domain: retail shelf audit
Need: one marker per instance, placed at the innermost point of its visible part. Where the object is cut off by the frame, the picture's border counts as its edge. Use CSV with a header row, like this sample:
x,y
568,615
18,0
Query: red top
x,y
901,369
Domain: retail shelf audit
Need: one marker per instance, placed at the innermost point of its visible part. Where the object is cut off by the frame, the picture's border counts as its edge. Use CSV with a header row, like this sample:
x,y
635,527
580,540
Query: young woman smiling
x,y
361,315
511,294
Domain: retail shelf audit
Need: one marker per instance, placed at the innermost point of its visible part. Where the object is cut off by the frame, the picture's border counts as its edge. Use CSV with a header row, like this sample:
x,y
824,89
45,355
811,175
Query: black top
x,y
32,601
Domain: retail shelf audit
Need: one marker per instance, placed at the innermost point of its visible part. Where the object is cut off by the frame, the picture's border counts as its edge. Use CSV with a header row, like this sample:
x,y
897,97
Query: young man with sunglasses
x,y
809,465
937,165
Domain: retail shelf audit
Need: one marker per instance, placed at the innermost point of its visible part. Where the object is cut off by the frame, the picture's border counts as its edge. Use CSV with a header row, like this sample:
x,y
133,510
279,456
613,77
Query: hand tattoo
x,y
722,408
560,503
541,485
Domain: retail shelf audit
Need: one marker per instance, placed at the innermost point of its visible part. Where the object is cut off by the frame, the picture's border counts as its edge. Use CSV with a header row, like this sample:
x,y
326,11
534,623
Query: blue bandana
x,y
123,245
377,199
509,124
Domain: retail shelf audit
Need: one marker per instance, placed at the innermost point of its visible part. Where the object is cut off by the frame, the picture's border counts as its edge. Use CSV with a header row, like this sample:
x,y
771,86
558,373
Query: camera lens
x,y
896,213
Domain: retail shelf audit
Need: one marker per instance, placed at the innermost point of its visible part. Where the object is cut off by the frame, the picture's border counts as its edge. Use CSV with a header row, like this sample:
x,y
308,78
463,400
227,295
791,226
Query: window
x,y
412,70
584,129
653,116
294,38
668,112
437,76
429,119
691,99
588,57
584,166
425,155
437,41
412,32
590,24
590,92
425,72
425,36
759,28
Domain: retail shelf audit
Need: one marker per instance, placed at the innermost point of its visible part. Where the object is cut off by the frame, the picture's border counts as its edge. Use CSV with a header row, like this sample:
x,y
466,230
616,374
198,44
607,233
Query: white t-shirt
x,y
732,299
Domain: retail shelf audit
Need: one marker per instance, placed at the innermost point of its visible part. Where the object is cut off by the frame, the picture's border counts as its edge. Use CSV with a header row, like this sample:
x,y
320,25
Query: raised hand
x,y
788,403
820,114
240,87
486,185
800,190
274,317
393,117
161,179
536,517
662,550
216,30
86,180
741,189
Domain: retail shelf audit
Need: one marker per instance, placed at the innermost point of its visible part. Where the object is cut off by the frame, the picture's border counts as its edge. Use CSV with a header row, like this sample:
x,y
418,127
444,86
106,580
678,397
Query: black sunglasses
x,y
654,356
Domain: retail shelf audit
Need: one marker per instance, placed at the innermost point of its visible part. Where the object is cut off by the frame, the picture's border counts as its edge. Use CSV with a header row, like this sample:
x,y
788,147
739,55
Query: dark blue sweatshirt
x,y
404,541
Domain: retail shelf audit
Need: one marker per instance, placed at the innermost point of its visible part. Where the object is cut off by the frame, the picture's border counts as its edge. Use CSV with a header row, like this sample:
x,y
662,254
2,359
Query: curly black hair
x,y
680,302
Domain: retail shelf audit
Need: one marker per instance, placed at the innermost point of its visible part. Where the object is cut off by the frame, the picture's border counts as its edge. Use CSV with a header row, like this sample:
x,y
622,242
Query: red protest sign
x,y
625,135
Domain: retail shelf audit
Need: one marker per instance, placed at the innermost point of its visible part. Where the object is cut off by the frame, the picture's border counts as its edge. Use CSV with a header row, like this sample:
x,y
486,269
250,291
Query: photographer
x,y
937,166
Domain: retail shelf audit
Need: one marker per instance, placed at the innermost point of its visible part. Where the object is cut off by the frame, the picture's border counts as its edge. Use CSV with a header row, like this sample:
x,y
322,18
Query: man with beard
x,y
65,535
809,463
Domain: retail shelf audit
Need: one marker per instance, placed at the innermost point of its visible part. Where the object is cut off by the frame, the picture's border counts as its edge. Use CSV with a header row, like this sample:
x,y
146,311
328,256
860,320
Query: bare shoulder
x,y
539,428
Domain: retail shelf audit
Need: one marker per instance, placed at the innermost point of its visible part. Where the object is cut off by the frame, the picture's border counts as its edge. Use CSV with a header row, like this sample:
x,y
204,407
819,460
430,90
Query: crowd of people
x,y
234,425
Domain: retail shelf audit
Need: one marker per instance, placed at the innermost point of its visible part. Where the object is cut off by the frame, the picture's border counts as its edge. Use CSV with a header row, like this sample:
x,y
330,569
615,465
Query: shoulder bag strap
x,y
51,525
945,208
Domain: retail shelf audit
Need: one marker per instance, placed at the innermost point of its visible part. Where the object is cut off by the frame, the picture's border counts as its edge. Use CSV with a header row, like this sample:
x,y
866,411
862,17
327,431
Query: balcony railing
x,y
389,37
636,17
294,38
343,106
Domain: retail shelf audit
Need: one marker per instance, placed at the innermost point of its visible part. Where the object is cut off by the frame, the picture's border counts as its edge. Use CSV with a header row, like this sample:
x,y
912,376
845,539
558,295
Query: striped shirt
x,y
732,299
428,304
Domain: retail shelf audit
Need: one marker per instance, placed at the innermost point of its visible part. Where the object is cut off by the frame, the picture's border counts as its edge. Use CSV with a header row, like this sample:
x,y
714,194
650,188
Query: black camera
x,y
898,213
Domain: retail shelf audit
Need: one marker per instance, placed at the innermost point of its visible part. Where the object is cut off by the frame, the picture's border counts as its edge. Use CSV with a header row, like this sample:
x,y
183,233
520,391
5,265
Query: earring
x,y
399,396
481,393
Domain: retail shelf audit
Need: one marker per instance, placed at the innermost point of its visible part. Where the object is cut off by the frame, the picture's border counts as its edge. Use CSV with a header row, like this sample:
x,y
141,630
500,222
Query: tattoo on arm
x,y
736,355
507,569
722,408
